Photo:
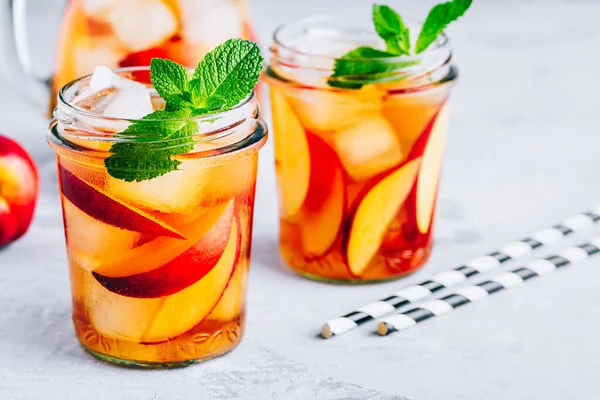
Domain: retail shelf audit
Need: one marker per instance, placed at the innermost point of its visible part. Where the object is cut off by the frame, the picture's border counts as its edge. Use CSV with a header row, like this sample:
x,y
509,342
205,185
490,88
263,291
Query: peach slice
x,y
179,273
89,241
233,301
375,212
183,310
368,148
322,214
153,252
155,320
429,176
105,208
292,156
114,315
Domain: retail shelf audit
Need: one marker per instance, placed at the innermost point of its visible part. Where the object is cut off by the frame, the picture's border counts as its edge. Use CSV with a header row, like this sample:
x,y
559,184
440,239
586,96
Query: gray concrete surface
x,y
523,154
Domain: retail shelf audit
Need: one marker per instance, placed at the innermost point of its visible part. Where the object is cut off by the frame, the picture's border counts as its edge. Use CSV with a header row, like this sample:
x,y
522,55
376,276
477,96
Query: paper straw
x,y
452,277
499,282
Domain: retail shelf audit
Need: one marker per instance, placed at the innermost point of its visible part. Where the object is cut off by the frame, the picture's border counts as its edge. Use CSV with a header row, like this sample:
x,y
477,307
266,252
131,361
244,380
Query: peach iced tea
x,y
358,160
158,209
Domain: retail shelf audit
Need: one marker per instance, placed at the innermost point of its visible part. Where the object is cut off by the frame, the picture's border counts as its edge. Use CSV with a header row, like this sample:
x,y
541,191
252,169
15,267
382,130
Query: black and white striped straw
x,y
499,282
452,277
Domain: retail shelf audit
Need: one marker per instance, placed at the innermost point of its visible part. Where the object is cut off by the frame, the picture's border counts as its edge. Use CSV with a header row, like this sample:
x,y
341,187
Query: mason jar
x,y
357,157
159,267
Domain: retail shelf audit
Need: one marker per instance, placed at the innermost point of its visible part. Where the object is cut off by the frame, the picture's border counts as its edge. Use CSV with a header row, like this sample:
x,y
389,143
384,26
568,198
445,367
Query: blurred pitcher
x,y
122,33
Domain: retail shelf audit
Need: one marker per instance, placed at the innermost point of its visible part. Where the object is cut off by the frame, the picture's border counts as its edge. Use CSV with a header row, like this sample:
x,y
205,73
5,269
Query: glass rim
x,y
442,41
85,113
72,124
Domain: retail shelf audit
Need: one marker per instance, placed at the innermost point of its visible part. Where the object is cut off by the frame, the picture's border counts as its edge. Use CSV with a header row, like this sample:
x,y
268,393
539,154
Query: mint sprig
x,y
361,66
228,73
438,19
224,78
365,65
390,27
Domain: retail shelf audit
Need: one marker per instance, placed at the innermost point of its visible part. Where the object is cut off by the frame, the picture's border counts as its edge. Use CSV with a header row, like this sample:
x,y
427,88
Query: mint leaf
x,y
171,82
438,19
391,29
229,72
223,78
364,65
161,134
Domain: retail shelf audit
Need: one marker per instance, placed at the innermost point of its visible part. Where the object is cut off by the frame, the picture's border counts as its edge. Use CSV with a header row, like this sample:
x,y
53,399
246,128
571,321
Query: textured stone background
x,y
523,154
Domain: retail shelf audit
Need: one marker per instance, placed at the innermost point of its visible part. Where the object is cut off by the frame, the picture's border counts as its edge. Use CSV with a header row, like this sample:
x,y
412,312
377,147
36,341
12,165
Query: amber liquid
x,y
358,172
117,34
158,268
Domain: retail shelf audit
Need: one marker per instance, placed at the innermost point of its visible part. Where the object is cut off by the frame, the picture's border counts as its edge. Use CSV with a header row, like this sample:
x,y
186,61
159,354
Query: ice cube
x,y
318,50
323,111
98,8
88,56
114,96
368,147
211,22
142,24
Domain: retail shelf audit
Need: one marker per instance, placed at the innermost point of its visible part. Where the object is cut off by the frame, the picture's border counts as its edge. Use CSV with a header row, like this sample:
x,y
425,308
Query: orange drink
x,y
158,267
358,158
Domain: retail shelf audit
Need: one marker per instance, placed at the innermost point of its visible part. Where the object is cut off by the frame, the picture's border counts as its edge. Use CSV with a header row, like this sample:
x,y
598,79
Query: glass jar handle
x,y
16,43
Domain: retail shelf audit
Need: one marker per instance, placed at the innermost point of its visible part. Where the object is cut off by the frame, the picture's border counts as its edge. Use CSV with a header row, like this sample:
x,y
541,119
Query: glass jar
x,y
358,157
158,267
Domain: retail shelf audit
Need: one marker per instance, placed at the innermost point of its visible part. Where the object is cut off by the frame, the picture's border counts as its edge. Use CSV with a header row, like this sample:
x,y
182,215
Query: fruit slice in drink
x,y
159,319
154,252
182,271
232,302
183,310
322,214
103,207
427,183
292,156
122,240
375,212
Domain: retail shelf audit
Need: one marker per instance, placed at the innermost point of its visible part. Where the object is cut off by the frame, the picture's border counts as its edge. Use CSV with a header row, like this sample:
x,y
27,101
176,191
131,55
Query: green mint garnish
x,y
390,27
368,65
438,19
171,81
228,74
352,70
224,78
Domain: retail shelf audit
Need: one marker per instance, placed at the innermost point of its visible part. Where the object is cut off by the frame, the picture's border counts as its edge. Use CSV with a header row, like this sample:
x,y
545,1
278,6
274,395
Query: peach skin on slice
x,y
150,252
429,176
233,300
183,310
89,240
292,156
103,207
181,272
375,212
322,214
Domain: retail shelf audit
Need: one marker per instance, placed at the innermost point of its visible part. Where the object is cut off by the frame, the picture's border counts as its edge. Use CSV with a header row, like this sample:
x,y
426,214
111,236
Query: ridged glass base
x,y
150,365
318,278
